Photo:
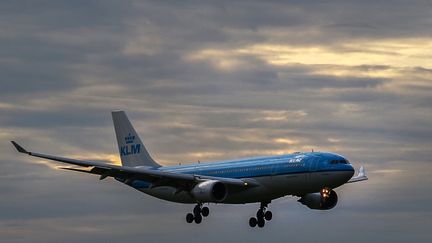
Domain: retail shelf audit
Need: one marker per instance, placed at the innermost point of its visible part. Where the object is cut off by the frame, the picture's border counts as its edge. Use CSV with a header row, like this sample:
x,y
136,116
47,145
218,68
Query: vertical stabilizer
x,y
132,150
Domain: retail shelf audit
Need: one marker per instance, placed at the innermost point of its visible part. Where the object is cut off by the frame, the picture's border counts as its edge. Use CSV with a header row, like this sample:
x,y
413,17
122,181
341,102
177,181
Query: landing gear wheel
x,y
253,222
268,215
261,223
260,214
197,214
189,218
197,210
205,211
198,219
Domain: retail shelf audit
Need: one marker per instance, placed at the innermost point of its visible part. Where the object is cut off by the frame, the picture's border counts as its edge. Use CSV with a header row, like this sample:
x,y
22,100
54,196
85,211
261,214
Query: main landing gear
x,y
262,215
198,213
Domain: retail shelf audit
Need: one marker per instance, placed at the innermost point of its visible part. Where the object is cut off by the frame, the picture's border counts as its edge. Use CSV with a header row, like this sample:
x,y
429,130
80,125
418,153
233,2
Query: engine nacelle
x,y
318,201
210,191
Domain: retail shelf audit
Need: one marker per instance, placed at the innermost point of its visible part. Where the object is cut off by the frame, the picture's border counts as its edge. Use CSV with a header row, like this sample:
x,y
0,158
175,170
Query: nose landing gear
x,y
262,215
198,213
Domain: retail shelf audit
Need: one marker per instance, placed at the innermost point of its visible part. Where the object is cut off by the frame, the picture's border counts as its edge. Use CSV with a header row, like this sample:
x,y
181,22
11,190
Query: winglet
x,y
19,148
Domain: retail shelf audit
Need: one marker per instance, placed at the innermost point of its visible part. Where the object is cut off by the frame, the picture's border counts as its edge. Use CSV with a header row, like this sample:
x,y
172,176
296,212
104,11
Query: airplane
x,y
310,176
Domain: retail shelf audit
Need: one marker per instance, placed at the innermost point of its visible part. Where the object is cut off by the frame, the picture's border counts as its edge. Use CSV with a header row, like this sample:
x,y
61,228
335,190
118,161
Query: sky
x,y
213,80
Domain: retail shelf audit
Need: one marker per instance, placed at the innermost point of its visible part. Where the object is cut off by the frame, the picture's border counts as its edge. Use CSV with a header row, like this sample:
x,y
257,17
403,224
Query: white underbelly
x,y
271,187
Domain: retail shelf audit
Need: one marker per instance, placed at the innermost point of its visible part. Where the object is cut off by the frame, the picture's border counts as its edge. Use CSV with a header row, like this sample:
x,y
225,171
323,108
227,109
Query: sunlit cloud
x,y
206,154
334,140
390,52
358,71
107,158
209,82
280,115
285,141
221,60
387,171
6,105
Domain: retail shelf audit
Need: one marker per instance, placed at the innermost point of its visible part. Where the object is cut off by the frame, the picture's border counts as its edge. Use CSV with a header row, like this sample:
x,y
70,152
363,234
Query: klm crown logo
x,y
129,139
130,148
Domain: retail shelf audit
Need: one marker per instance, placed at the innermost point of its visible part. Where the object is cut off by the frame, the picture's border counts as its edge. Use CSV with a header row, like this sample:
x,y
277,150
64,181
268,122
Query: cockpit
x,y
339,161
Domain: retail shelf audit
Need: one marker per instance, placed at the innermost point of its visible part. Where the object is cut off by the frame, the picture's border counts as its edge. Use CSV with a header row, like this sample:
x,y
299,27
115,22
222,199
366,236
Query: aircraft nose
x,y
350,171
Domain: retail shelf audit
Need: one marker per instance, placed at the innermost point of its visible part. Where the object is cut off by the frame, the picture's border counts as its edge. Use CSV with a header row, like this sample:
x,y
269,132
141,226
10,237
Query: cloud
x,y
214,81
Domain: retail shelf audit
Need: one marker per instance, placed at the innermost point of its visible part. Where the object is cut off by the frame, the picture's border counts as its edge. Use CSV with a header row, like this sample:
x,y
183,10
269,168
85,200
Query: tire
x,y
260,214
253,222
205,211
189,218
268,215
261,223
198,219
197,210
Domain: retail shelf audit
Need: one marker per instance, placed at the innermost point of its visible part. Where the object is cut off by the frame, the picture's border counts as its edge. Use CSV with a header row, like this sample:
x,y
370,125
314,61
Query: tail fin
x,y
132,150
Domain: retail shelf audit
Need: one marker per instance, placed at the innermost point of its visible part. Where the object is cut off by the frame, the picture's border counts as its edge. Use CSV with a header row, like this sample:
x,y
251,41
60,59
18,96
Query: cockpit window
x,y
341,161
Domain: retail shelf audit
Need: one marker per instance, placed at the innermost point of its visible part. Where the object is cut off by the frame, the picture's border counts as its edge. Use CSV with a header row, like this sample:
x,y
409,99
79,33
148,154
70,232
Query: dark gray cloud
x,y
209,81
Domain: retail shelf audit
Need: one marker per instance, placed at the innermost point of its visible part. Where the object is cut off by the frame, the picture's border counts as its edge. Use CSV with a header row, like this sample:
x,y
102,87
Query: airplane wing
x,y
361,176
156,177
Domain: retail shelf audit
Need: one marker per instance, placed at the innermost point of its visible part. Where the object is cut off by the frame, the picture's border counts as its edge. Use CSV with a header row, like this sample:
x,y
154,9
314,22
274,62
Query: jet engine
x,y
324,200
209,191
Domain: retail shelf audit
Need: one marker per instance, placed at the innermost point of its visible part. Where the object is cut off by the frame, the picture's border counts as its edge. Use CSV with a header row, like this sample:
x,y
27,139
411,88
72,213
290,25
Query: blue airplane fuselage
x,y
278,176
